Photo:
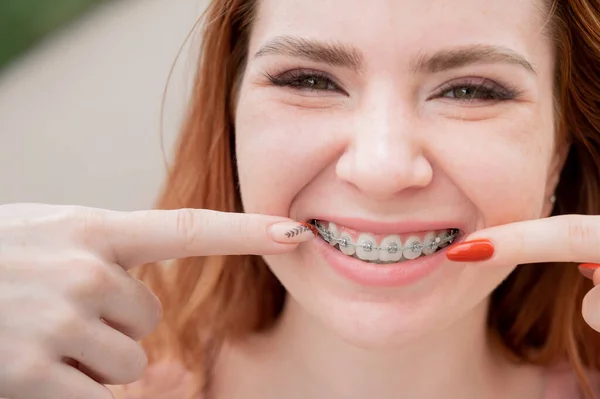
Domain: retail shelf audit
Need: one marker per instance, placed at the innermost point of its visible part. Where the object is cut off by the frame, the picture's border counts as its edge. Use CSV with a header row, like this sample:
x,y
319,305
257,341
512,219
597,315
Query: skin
x,y
70,315
383,149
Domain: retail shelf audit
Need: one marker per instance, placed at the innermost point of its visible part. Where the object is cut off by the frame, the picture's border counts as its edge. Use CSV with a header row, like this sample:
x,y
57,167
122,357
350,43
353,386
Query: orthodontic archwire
x,y
392,248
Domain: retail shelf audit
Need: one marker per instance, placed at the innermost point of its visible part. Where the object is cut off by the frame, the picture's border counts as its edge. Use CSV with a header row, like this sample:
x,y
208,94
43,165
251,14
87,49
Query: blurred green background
x,y
25,22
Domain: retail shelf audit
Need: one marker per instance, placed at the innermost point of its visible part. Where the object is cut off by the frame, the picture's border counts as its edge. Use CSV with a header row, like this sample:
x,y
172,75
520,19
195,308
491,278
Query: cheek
x,y
279,149
500,166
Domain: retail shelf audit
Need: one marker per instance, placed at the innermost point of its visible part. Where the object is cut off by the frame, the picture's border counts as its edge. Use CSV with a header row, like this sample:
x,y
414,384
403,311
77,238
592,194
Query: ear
x,y
555,169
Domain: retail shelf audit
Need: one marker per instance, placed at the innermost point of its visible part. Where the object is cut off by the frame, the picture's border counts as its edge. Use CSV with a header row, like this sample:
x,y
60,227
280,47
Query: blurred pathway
x,y
79,115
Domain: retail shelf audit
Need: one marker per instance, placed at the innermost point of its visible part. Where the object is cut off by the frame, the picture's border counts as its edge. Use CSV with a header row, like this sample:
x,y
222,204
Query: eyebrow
x,y
347,57
313,50
473,54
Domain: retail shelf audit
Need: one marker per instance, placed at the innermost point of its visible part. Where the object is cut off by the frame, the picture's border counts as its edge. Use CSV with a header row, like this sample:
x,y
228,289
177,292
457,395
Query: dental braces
x,y
368,246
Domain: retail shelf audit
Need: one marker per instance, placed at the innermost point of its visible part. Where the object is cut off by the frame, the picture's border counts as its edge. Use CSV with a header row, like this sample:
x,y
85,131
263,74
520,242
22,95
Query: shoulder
x,y
562,383
160,381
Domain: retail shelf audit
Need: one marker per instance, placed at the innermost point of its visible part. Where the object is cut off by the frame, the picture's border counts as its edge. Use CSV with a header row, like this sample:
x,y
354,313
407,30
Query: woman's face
x,y
396,121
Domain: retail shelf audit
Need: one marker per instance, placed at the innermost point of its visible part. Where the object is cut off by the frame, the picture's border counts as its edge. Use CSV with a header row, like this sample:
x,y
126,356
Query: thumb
x,y
590,308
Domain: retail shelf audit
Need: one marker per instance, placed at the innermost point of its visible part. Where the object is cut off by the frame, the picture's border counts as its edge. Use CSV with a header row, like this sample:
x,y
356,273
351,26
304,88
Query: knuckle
x,y
92,278
185,226
244,226
72,214
582,235
65,323
91,225
87,224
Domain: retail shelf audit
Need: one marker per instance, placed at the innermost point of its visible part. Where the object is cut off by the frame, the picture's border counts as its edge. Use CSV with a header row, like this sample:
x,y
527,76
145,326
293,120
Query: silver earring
x,y
553,199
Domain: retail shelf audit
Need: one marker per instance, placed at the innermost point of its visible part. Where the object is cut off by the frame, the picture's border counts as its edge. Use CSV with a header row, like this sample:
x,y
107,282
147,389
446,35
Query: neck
x,y
302,358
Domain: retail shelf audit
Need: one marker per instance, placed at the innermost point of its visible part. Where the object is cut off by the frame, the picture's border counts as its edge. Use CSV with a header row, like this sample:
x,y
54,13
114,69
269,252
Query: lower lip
x,y
388,275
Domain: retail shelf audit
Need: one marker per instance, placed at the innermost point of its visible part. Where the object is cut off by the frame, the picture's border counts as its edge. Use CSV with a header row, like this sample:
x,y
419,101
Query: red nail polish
x,y
592,266
471,251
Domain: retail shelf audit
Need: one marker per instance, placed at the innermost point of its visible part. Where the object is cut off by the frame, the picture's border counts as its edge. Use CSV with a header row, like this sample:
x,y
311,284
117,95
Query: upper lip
x,y
393,227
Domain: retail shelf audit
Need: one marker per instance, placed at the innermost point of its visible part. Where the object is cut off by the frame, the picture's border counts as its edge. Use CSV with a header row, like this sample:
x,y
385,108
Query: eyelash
x,y
491,91
297,77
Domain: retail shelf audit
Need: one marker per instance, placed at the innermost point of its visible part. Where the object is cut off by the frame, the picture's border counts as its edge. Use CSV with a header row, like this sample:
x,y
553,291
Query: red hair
x,y
535,314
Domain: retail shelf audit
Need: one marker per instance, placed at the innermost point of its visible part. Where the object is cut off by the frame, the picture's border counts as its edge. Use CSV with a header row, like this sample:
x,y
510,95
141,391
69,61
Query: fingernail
x,y
471,251
587,269
292,232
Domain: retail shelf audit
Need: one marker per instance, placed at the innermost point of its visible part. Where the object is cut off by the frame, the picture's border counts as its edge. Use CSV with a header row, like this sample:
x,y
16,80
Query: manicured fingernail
x,y
292,232
587,269
471,251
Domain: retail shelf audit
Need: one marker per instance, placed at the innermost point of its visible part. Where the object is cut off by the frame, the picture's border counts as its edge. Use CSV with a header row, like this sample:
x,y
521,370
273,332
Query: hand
x,y
70,314
566,238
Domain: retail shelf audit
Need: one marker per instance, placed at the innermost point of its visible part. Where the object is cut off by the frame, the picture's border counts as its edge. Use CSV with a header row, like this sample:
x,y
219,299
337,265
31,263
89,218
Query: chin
x,y
374,319
376,327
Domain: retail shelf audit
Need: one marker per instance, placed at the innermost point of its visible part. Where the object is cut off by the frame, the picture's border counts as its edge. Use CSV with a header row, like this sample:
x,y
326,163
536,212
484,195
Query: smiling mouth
x,y
384,249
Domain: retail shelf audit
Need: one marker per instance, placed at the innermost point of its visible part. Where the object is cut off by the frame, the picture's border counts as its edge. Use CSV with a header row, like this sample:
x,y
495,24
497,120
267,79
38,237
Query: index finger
x,y
565,238
141,237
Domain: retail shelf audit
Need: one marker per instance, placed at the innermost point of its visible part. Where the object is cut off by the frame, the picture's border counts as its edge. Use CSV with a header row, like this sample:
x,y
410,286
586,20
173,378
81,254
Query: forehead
x,y
387,29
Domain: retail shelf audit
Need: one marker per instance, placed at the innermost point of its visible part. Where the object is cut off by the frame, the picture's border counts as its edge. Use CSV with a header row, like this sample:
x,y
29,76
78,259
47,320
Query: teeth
x,y
345,239
334,231
429,243
365,249
443,236
390,249
412,249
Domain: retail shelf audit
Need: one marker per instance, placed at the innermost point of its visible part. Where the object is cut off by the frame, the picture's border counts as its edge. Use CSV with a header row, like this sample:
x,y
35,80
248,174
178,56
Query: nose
x,y
385,156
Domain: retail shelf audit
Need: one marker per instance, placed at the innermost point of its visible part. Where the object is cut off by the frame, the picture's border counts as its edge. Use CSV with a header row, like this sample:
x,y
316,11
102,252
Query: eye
x,y
470,93
475,90
305,80
313,82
